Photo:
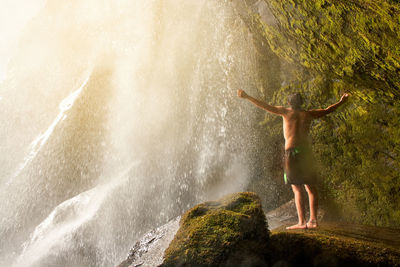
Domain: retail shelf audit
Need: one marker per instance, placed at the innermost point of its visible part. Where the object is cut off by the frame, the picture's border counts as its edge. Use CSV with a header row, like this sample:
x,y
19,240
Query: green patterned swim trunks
x,y
299,166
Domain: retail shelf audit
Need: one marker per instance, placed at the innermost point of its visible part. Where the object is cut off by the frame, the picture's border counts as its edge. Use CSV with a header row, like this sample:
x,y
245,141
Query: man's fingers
x,y
344,97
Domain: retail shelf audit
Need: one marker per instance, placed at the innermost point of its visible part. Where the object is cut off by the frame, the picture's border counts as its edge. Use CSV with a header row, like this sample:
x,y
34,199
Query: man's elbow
x,y
329,110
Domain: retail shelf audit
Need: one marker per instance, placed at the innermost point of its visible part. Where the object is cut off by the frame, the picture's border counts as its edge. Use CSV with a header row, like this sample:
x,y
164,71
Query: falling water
x,y
116,117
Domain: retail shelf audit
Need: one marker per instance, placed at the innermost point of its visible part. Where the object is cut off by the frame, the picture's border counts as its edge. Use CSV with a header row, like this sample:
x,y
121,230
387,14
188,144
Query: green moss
x,y
342,39
214,233
336,245
232,232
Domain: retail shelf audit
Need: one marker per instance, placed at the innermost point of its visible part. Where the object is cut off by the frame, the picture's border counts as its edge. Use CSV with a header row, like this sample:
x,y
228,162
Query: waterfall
x,y
117,116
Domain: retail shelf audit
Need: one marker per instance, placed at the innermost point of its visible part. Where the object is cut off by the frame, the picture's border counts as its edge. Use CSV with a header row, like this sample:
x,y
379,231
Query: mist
x,y
117,116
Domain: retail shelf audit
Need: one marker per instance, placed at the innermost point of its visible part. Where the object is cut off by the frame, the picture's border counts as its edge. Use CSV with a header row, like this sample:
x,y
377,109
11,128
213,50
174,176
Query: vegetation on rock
x,y
308,248
232,232
327,48
228,232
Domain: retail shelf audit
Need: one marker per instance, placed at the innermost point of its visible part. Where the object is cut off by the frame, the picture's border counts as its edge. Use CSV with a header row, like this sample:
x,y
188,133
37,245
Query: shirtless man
x,y
298,157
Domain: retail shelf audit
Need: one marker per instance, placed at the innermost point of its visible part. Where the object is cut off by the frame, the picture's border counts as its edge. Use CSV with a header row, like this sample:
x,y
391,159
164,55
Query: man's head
x,y
295,101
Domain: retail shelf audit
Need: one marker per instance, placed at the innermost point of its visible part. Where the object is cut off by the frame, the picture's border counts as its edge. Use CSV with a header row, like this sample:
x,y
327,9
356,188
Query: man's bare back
x,y
296,125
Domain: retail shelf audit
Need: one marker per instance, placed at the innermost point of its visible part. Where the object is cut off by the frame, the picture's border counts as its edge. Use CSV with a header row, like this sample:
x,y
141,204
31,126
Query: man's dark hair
x,y
295,101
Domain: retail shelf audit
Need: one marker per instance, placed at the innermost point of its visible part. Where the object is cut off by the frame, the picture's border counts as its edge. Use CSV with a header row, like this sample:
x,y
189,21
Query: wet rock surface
x,y
287,215
149,250
336,244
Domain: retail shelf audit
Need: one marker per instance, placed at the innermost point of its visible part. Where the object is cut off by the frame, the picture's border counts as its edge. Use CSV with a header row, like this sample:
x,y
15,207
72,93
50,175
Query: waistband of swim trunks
x,y
298,149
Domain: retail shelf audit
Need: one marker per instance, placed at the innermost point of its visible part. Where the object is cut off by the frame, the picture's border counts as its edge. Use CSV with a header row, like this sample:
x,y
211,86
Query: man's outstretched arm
x,y
273,109
317,113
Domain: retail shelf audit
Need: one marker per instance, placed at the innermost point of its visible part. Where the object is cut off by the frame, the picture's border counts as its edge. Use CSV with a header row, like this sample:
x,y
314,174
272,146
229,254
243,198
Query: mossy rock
x,y
334,244
231,231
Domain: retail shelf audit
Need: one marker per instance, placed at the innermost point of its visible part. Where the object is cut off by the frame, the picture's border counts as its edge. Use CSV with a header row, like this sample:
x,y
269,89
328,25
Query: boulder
x,y
149,250
335,244
231,231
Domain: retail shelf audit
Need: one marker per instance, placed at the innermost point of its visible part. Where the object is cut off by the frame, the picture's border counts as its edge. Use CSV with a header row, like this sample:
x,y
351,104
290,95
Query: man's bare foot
x,y
297,226
312,224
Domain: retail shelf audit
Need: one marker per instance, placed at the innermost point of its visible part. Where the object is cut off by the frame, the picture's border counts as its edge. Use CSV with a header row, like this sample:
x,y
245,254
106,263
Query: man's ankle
x,y
312,223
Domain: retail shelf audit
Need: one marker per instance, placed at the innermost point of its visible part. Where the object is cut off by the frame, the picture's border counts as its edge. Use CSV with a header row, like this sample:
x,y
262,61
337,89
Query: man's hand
x,y
241,93
344,97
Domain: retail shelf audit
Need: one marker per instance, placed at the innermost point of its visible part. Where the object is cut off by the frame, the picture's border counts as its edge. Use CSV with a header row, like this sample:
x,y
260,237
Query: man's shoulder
x,y
281,110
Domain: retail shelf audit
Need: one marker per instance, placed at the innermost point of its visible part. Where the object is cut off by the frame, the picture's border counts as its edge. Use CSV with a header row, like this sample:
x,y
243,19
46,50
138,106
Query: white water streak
x,y
65,219
41,140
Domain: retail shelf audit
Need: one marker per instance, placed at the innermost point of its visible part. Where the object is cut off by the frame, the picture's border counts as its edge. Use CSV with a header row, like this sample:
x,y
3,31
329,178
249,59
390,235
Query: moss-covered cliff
x,y
331,47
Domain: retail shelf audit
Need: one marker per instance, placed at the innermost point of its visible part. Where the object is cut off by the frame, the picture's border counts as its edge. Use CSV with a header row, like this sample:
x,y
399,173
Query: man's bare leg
x,y
313,201
298,199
